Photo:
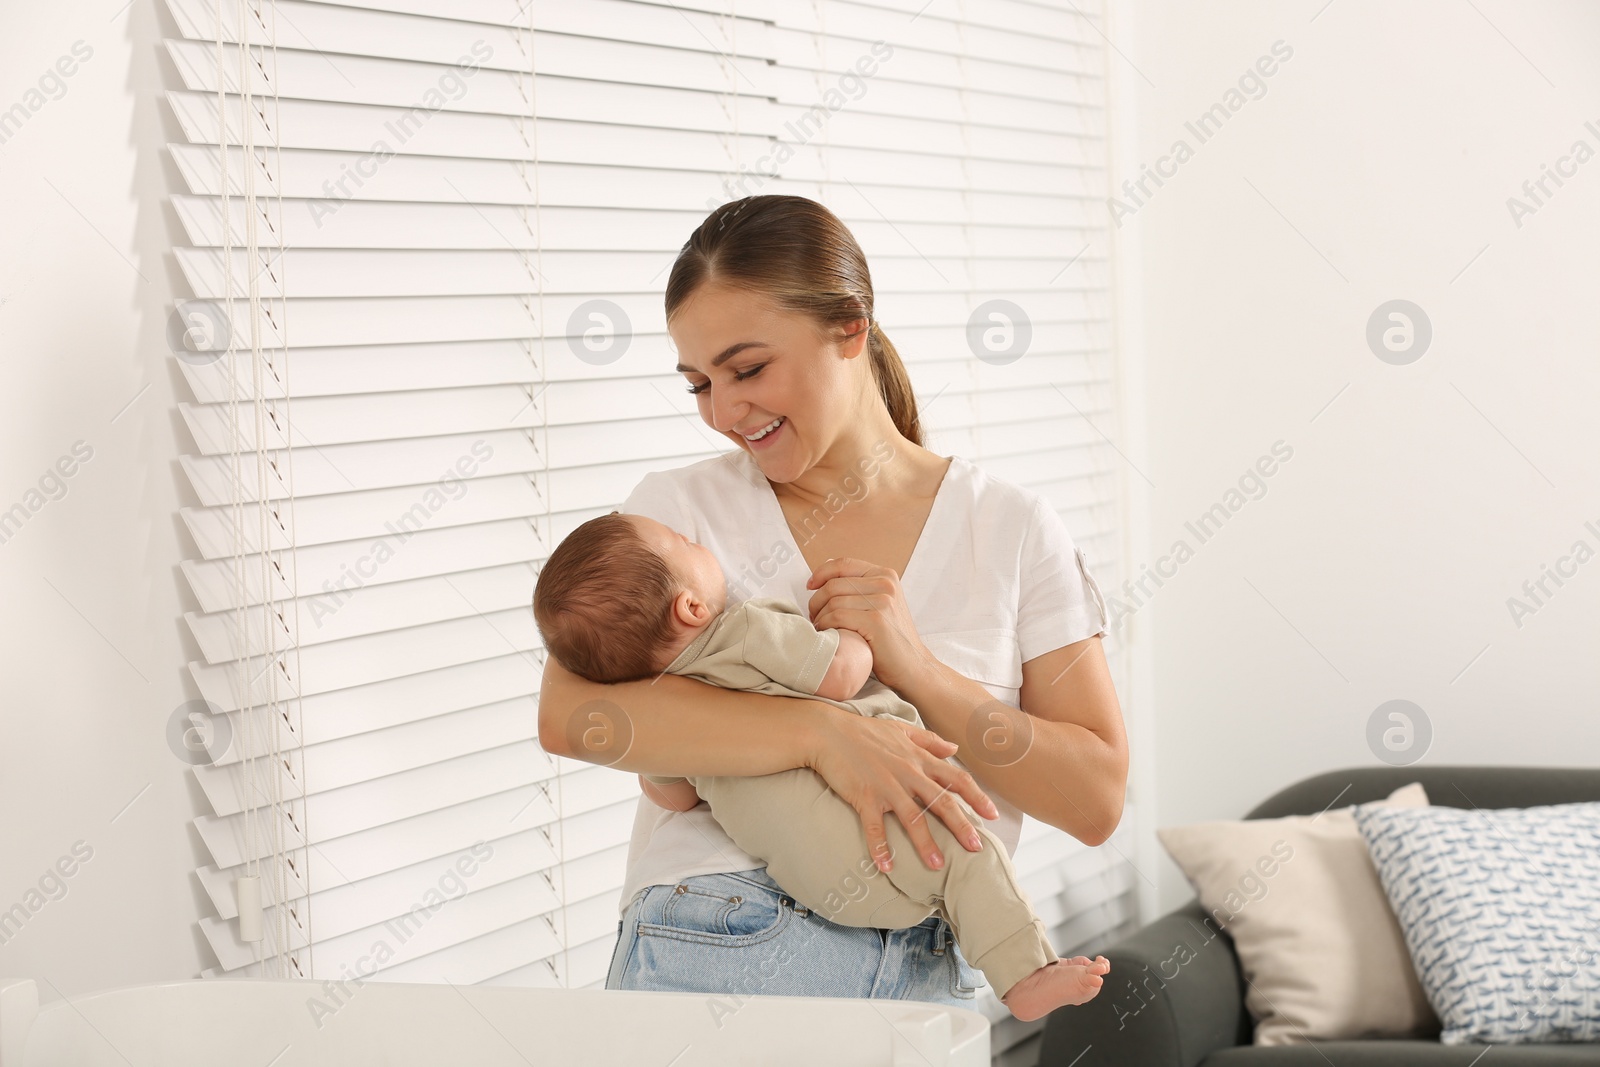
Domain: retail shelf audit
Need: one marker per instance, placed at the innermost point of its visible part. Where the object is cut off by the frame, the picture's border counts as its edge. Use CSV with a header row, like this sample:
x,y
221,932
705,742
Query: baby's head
x,y
622,595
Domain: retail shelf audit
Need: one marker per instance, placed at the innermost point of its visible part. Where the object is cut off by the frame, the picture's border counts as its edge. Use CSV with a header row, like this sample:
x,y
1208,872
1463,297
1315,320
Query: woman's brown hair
x,y
797,253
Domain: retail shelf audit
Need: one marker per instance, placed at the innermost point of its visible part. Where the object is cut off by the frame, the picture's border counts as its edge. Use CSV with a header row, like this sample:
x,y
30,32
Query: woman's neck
x,y
896,467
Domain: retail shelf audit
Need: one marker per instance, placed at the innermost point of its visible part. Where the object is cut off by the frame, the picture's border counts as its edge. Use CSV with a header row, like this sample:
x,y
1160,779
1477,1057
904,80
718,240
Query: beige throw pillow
x,y
1318,943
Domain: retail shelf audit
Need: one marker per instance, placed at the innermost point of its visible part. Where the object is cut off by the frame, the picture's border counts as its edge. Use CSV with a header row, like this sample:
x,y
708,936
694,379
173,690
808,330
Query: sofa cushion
x,y
1321,953
1501,913
1404,1054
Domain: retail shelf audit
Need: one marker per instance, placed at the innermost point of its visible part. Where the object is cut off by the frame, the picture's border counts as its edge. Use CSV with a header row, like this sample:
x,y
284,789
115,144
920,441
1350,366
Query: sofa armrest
x,y
1174,996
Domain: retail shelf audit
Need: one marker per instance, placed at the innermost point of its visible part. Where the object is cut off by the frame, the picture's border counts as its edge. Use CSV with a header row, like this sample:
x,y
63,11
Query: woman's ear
x,y
852,336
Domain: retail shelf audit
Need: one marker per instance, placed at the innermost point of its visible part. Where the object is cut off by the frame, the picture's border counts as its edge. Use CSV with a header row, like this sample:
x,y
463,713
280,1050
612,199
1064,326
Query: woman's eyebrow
x,y
729,352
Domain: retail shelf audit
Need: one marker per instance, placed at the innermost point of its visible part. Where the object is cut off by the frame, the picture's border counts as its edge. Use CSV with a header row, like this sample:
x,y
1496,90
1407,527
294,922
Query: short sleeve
x,y
782,644
658,497
1059,603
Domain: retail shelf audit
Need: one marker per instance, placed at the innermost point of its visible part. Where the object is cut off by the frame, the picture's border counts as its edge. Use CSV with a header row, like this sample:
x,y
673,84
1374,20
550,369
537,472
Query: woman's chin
x,y
775,468
783,461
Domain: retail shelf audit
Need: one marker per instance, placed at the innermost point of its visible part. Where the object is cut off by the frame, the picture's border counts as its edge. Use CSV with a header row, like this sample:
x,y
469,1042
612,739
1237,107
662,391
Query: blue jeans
x,y
741,934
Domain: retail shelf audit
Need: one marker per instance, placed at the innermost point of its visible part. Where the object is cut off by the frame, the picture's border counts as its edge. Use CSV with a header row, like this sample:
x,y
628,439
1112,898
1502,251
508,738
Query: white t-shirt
x,y
995,580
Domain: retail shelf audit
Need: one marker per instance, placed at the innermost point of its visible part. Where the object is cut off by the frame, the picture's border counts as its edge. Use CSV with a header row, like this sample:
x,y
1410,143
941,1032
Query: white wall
x,y
92,642
1378,564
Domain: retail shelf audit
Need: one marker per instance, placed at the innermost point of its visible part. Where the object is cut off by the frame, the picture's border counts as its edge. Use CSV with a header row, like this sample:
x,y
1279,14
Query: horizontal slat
x,y
489,181
352,516
388,846
355,127
717,25
350,904
563,87
568,238
348,609
339,33
413,794
1056,353
345,321
338,420
397,558
572,277
1067,77
347,516
944,110
481,911
990,29
489,410
352,468
337,764
394,702
359,660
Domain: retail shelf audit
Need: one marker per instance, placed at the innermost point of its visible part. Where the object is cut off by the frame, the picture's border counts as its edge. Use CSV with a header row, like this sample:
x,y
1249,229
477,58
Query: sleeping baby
x,y
624,597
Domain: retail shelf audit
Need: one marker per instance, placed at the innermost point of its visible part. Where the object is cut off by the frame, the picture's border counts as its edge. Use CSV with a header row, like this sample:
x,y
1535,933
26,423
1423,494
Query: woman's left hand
x,y
852,594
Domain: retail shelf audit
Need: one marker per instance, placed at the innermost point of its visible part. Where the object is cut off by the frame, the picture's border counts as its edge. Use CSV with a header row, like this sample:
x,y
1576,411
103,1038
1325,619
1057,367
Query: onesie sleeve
x,y
1059,603
781,643
663,779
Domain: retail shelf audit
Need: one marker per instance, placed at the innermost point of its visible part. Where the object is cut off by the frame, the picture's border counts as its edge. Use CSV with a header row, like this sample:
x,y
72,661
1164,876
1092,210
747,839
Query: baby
x,y
625,597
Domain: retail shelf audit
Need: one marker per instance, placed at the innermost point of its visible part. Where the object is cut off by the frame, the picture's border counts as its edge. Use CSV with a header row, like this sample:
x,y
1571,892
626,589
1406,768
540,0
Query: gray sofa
x,y
1199,1017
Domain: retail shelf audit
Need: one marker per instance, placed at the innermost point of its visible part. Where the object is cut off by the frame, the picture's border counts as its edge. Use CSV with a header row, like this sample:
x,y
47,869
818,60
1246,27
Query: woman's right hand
x,y
881,765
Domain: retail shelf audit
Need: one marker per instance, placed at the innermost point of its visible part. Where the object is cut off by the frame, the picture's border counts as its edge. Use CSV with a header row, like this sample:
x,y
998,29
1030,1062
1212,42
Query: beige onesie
x,y
812,839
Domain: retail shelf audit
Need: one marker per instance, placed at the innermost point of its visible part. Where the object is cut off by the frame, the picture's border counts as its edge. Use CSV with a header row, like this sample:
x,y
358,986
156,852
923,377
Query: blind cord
x,y
298,723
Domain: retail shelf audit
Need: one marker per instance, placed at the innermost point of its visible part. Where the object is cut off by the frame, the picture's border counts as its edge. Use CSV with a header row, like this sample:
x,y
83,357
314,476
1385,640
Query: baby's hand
x,y
851,665
674,796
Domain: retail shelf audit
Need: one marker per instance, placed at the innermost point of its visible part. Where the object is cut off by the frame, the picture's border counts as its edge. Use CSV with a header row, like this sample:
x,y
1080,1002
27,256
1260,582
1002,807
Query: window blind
x,y
459,182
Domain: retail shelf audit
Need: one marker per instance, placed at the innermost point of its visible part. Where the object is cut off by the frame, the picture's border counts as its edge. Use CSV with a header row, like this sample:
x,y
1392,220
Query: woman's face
x,y
751,364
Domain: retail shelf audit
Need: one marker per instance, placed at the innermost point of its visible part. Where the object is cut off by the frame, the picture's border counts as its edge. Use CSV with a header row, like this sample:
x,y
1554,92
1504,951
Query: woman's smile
x,y
764,436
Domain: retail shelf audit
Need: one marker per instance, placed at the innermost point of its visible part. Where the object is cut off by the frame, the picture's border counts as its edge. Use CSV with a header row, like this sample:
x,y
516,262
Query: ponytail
x,y
894,385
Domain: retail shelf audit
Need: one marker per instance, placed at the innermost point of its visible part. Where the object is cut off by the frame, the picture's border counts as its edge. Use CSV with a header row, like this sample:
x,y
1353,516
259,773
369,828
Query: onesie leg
x,y
978,893
812,842
814,847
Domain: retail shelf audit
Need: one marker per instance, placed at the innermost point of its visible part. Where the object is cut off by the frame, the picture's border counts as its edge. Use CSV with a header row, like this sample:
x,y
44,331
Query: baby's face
x,y
696,568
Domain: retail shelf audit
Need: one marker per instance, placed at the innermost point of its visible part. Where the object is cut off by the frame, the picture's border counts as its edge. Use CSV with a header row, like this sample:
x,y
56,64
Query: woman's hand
x,y
852,594
883,765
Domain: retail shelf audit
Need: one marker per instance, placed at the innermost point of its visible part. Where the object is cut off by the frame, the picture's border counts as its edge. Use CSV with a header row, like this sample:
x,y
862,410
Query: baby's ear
x,y
683,605
703,610
690,609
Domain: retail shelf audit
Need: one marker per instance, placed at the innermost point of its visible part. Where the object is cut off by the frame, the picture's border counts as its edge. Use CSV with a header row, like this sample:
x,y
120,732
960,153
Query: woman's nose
x,y
725,413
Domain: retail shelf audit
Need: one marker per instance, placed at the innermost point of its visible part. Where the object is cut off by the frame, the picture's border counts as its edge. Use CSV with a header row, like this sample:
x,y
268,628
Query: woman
x,y
968,589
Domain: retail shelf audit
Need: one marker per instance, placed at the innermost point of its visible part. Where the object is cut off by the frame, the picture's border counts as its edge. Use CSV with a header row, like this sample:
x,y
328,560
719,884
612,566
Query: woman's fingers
x,y
961,783
837,565
877,839
950,812
915,821
932,741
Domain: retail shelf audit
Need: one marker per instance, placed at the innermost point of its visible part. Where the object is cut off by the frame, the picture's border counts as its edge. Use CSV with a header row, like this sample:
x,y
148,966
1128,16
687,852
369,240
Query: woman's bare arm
x,y
1066,762
674,725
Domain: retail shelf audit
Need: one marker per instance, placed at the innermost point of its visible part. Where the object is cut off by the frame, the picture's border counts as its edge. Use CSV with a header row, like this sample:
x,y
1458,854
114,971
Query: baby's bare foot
x,y
1056,985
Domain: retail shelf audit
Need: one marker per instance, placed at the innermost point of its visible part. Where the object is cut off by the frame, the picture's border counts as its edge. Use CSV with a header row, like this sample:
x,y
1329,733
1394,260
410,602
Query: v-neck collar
x,y
932,527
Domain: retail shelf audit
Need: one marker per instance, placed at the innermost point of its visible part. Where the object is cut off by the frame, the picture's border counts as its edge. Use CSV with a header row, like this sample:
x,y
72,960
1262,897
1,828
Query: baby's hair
x,y
602,602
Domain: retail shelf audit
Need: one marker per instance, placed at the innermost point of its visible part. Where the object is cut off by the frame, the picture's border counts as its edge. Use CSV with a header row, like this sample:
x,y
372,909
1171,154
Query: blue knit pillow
x,y
1501,914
